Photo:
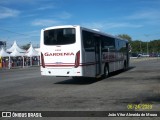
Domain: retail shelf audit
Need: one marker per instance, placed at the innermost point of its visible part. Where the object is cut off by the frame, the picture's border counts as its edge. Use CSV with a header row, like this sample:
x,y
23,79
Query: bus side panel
x,y
89,64
88,59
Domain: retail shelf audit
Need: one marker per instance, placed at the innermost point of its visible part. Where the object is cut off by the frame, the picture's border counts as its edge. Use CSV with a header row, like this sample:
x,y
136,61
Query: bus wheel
x,y
124,66
106,71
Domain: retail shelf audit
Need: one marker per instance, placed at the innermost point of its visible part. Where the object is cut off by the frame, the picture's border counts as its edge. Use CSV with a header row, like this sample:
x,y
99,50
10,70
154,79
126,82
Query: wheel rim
x,y
106,71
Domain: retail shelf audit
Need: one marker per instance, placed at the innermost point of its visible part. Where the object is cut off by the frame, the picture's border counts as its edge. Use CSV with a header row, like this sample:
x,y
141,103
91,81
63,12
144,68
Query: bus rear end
x,y
61,51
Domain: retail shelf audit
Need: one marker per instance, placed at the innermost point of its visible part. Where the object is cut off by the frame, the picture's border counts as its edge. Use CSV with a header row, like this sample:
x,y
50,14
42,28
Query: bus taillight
x,y
42,60
77,59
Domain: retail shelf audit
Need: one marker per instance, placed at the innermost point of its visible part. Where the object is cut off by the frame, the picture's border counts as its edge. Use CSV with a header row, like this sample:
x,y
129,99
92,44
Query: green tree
x,y
154,46
26,47
136,46
141,47
125,36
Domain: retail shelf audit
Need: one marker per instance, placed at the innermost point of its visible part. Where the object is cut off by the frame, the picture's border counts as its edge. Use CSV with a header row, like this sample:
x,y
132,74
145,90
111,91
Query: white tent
x,y
3,53
31,52
38,50
15,46
16,53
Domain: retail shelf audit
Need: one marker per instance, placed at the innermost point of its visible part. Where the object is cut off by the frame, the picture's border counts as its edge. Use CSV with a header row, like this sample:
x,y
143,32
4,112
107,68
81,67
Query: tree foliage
x,y
125,36
141,47
26,47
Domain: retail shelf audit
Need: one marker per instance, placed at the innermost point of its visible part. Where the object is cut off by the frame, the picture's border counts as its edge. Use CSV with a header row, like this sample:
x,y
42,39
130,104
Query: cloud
x,y
122,25
110,25
147,15
7,12
94,25
45,22
45,7
64,15
10,2
50,22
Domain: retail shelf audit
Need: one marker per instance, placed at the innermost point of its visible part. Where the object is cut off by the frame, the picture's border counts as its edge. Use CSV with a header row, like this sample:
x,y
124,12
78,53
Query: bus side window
x,y
109,43
88,41
122,46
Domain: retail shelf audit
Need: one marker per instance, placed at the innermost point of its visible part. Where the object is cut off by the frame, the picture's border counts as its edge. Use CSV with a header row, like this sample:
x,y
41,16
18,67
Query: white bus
x,y
76,51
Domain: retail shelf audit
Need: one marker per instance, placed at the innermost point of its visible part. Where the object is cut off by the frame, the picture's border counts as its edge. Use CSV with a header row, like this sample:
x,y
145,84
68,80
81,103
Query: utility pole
x,y
147,49
140,47
146,35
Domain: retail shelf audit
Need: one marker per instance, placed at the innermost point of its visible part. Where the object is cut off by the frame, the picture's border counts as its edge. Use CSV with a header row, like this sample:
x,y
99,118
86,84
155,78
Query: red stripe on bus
x,y
68,64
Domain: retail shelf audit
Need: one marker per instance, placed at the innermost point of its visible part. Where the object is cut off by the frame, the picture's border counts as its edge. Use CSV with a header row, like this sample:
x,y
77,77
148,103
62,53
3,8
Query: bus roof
x,y
103,33
84,28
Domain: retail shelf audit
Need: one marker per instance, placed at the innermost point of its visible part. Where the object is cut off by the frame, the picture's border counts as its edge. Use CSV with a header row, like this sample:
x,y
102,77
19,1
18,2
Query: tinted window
x,y
90,38
121,46
59,36
108,43
88,41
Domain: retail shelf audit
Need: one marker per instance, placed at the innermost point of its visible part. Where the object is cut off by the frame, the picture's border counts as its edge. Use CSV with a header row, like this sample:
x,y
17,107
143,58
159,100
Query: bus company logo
x,y
6,114
59,54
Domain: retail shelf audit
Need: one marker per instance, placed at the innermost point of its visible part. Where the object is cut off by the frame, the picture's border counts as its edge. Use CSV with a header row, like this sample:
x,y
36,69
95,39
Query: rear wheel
x,y
106,71
124,66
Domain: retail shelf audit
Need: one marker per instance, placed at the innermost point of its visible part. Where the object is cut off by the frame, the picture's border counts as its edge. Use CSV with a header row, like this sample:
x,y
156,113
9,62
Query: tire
x,y
124,66
106,71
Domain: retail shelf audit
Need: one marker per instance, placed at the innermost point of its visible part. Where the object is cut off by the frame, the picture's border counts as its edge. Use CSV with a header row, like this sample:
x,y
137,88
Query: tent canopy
x,y
16,53
15,46
3,53
31,52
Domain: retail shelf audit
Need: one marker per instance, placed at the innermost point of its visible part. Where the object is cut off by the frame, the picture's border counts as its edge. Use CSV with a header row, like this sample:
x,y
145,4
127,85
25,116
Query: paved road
x,y
26,90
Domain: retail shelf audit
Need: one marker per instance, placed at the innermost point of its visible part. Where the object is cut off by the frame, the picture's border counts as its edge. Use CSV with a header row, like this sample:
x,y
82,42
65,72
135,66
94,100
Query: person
x,y
0,62
3,63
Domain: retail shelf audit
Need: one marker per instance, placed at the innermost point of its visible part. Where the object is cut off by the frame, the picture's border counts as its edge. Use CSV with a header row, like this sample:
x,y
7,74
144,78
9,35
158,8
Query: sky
x,y
22,20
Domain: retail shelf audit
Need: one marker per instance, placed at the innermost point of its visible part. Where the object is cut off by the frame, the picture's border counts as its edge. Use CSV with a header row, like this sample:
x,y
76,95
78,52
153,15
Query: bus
x,y
76,51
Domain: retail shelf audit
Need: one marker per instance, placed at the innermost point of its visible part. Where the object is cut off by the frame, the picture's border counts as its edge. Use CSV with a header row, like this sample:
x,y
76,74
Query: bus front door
x,y
98,56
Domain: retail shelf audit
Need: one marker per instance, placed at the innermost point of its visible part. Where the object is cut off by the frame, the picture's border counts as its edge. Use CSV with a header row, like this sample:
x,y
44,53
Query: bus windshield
x,y
59,36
